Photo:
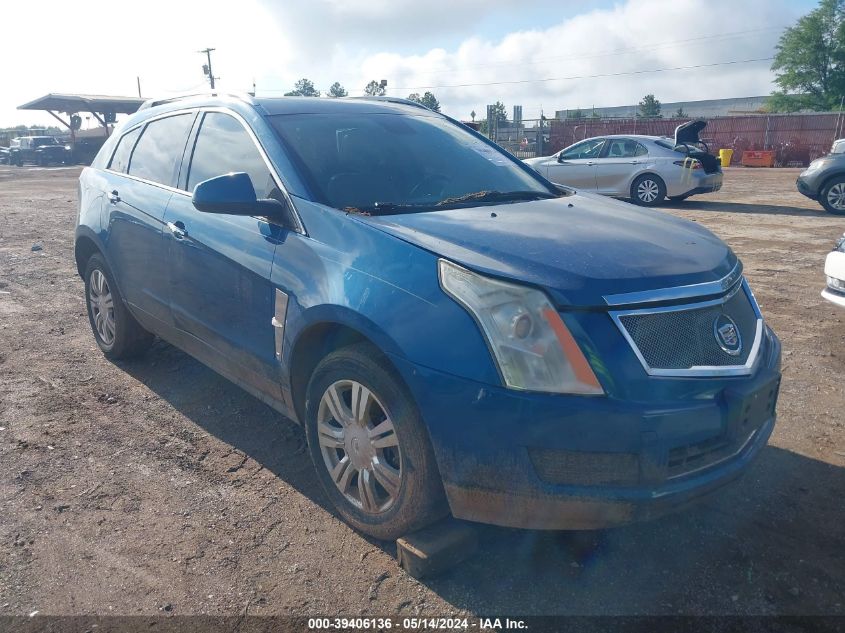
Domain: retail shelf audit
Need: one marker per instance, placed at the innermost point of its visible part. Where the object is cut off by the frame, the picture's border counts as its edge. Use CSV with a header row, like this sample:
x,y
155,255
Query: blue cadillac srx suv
x,y
454,332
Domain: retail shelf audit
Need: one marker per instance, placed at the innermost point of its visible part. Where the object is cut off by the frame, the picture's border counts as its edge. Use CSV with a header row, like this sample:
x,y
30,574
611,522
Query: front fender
x,y
350,273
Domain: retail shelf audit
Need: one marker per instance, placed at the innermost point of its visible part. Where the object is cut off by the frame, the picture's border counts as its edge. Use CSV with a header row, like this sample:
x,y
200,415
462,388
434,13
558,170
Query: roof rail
x,y
151,103
395,100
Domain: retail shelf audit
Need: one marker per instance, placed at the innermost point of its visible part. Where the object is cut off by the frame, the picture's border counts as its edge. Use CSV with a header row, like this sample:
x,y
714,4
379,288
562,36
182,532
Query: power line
x,y
620,74
610,53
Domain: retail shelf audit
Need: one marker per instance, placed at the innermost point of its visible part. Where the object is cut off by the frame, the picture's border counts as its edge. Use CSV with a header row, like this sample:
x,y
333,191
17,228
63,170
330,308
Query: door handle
x,y
114,197
178,229
635,162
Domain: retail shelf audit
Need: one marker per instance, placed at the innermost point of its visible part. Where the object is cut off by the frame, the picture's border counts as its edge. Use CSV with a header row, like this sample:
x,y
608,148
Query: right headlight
x,y
531,345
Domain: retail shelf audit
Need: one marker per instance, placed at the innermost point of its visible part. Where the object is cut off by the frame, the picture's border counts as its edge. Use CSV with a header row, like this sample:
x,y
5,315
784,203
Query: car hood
x,y
579,248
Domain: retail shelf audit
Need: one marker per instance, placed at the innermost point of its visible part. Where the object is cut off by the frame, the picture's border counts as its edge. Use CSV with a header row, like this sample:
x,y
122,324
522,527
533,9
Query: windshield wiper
x,y
380,208
496,196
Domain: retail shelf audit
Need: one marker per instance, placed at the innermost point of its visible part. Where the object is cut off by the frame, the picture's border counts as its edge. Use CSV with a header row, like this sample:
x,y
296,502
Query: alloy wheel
x,y
836,196
647,191
102,306
359,446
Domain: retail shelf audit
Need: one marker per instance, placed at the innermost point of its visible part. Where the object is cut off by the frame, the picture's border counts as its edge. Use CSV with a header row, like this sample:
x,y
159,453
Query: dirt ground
x,y
158,487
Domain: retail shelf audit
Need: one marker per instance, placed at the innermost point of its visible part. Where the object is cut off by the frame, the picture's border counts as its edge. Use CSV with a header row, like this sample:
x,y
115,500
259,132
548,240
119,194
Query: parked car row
x,y
455,332
39,150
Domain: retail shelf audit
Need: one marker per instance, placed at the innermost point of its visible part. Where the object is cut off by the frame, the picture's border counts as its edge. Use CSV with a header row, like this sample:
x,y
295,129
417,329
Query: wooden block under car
x,y
436,548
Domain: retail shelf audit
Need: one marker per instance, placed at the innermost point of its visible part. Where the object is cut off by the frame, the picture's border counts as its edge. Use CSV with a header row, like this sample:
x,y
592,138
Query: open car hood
x,y
687,133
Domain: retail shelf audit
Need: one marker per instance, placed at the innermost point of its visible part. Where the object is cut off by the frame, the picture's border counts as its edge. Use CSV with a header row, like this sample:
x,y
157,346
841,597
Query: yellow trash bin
x,y
725,156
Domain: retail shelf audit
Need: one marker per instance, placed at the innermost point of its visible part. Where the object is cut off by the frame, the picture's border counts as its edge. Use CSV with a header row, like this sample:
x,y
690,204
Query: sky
x,y
545,55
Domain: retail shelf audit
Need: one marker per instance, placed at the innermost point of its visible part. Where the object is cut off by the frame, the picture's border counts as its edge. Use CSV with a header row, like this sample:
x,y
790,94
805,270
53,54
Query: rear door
x,y
575,166
219,265
618,163
141,177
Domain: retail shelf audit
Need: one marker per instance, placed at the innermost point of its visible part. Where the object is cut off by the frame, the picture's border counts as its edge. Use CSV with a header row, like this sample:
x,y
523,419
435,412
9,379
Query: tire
x,y
832,195
648,190
124,337
405,492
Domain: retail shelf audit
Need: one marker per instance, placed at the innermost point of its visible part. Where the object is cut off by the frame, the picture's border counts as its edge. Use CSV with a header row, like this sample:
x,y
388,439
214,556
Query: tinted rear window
x,y
120,160
159,150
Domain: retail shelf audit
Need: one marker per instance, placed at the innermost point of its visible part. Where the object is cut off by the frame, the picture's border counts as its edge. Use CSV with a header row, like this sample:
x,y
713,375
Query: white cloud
x,y
650,33
104,44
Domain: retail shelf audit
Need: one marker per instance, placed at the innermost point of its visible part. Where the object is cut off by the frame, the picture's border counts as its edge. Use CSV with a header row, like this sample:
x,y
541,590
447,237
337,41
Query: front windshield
x,y
380,162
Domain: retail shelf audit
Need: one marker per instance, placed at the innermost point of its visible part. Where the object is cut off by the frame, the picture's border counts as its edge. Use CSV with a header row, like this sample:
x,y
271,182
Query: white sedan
x,y
646,169
834,271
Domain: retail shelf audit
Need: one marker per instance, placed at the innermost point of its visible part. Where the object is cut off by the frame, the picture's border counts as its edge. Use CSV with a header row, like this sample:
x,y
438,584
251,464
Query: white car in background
x,y
834,271
646,169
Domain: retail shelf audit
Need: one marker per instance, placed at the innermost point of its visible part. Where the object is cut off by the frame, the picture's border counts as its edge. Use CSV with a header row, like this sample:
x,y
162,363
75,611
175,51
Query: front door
x,y
575,165
219,264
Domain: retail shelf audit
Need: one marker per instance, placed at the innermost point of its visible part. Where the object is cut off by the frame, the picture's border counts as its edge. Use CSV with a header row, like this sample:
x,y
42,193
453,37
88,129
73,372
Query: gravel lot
x,y
158,487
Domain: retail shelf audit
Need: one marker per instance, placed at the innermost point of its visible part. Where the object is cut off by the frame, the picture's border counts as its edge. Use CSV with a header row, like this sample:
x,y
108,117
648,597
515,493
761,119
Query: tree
x,y
500,113
428,100
810,61
472,114
680,114
337,90
649,108
303,88
374,89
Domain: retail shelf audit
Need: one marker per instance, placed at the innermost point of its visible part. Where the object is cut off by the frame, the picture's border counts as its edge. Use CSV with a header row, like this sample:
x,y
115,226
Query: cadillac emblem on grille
x,y
727,335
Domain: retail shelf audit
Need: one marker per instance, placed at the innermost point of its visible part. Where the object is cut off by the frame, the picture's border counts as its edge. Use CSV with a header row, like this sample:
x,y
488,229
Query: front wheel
x,y
648,190
370,446
832,196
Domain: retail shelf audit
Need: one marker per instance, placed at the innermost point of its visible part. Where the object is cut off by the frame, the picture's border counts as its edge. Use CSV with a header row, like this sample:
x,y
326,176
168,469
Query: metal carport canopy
x,y
95,104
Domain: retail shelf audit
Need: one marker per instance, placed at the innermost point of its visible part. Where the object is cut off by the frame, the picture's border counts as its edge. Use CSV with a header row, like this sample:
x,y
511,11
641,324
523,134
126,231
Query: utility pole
x,y
206,68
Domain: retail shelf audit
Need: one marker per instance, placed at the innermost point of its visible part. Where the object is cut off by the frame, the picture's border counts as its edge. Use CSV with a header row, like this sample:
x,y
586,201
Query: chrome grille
x,y
679,339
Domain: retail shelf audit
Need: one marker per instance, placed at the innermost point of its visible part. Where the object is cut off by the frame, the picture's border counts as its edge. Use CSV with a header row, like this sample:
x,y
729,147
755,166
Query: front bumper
x,y
834,266
804,187
543,461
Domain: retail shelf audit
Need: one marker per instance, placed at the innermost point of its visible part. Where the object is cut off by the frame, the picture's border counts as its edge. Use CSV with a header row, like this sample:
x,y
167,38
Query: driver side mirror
x,y
234,194
560,158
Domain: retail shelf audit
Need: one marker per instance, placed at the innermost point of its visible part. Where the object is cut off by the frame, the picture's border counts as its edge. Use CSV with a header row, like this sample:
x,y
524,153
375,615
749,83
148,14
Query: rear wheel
x,y
116,331
832,196
370,446
648,190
